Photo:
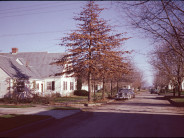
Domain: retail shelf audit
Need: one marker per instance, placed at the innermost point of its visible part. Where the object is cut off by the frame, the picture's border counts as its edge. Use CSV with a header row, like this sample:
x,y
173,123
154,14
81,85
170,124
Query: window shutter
x,y
53,85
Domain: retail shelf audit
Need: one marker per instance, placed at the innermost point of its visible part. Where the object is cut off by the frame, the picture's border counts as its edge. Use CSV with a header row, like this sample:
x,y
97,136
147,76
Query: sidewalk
x,y
44,109
39,110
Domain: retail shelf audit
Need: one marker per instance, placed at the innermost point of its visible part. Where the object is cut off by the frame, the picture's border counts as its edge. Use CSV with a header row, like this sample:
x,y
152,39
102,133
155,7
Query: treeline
x,y
163,22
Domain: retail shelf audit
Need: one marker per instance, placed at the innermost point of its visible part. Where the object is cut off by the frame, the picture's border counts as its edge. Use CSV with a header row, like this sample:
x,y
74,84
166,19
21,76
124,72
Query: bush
x,y
81,92
36,99
40,100
56,95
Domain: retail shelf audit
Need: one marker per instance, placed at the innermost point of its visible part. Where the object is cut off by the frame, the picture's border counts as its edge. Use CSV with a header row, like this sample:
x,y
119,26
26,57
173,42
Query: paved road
x,y
145,116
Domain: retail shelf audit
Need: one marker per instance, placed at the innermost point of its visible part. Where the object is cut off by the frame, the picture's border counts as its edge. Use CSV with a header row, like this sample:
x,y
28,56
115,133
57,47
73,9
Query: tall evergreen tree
x,y
91,46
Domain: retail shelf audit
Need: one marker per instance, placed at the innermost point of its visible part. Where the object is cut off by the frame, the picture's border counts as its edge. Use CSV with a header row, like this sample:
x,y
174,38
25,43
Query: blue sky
x,y
39,25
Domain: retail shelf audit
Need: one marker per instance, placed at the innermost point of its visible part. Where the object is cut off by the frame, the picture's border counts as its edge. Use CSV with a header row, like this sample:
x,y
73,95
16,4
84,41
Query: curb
x,y
110,101
98,104
92,105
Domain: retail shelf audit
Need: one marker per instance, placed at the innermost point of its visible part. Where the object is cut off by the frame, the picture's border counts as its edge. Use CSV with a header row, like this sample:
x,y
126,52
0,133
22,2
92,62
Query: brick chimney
x,y
14,50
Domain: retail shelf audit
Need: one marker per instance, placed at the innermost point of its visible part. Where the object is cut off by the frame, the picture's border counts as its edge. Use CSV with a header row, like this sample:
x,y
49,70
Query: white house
x,y
32,72
170,86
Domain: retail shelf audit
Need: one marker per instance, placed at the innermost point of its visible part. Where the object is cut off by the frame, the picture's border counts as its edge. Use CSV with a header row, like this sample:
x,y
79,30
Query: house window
x,y
64,85
96,87
37,86
20,86
51,85
71,85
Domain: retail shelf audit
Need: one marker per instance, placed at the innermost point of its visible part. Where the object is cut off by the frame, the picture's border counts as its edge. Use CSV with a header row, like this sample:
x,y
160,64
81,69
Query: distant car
x,y
153,91
125,94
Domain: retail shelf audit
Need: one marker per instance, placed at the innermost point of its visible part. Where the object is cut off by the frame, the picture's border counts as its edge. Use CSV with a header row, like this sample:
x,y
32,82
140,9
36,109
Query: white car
x,y
125,94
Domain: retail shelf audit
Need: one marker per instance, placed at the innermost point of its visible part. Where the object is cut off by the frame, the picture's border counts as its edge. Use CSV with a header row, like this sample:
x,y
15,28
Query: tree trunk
x,y
111,88
179,89
94,90
79,83
174,91
89,86
103,93
117,87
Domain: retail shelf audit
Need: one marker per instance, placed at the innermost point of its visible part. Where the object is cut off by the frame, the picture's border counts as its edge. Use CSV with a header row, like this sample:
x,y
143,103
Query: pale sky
x,y
34,26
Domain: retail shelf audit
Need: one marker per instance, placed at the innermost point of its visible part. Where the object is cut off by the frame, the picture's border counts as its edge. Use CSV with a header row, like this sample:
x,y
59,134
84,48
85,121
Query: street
x,y
147,115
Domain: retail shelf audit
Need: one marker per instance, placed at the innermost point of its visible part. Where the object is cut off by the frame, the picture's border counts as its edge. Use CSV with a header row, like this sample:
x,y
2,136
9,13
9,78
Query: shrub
x,y
81,92
40,100
56,95
36,99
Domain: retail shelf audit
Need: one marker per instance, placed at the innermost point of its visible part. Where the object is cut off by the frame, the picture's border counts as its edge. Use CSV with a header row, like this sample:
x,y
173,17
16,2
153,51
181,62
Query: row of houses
x,y
32,72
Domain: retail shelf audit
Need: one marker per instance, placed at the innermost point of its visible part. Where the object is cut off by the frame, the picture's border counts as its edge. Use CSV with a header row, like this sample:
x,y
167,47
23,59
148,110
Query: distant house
x,y
94,87
171,86
31,72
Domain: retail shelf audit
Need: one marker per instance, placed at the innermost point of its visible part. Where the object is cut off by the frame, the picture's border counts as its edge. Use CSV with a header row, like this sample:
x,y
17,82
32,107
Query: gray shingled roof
x,y
35,64
15,70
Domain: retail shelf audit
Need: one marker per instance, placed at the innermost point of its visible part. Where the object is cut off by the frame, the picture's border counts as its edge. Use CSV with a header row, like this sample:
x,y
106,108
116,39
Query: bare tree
x,y
163,22
170,65
160,20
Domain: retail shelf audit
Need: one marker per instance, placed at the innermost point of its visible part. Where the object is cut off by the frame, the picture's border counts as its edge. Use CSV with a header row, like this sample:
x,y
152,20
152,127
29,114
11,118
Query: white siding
x,y
85,87
68,80
59,88
182,85
4,83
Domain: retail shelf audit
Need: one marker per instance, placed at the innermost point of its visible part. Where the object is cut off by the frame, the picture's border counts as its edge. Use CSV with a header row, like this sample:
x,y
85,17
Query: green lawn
x,y
15,106
13,121
49,100
170,91
64,108
178,100
72,99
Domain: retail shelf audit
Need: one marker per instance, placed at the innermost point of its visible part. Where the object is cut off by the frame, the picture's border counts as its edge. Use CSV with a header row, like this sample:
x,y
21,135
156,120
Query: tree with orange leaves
x,y
91,46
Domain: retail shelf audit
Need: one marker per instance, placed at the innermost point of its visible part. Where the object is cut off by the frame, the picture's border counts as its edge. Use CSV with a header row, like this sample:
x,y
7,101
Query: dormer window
x,y
18,61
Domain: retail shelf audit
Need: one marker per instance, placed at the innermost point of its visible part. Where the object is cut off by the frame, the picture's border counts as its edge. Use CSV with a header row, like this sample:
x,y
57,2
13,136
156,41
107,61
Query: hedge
x,y
81,92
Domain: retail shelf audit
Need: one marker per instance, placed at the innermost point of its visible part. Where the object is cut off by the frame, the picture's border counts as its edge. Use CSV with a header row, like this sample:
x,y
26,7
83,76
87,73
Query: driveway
x,y
144,116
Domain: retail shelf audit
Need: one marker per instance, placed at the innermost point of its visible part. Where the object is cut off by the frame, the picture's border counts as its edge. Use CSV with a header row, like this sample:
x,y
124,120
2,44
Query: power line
x,y
25,7
22,7
33,33
32,9
37,9
36,13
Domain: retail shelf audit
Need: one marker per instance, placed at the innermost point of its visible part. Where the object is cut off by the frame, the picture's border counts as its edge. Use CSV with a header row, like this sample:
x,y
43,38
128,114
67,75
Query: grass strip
x,y
70,99
15,106
178,100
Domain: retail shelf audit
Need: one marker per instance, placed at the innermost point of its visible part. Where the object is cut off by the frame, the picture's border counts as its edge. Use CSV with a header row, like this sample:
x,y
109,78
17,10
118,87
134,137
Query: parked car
x,y
125,94
152,91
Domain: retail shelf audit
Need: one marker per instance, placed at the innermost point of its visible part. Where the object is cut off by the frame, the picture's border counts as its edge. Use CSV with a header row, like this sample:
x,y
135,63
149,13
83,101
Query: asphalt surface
x,y
147,115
